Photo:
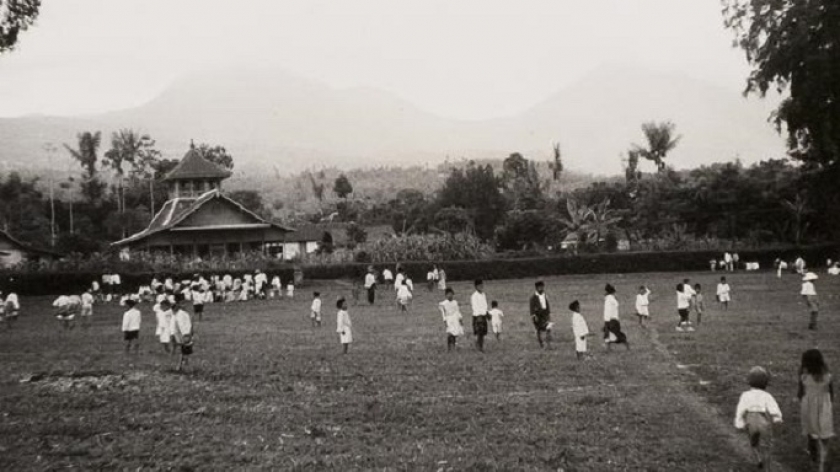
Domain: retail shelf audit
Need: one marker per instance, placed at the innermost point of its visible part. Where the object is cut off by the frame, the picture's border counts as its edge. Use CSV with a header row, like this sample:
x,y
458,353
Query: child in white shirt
x,y
757,411
496,316
683,306
315,310
182,334
344,327
452,319
131,326
579,329
198,301
809,293
87,308
404,296
290,290
642,304
163,315
723,293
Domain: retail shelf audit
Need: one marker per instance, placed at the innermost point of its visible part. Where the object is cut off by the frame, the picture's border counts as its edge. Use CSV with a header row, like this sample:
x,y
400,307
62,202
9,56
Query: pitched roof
x,y
193,166
176,210
27,247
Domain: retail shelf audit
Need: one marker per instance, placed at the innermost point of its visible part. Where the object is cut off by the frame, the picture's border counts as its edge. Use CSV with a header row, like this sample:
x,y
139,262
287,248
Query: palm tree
x,y
87,155
660,141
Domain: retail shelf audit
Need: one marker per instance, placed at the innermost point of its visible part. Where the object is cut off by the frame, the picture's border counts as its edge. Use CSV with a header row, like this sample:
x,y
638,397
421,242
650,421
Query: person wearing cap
x,y
131,326
757,411
344,327
541,314
809,293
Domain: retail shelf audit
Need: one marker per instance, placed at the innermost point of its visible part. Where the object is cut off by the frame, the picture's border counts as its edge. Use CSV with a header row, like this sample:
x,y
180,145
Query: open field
x,y
268,391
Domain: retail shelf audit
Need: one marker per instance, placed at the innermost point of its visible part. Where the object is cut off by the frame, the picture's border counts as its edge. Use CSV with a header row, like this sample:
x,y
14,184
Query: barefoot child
x,y
478,302
580,329
452,319
723,293
315,310
131,326
496,316
344,327
816,395
699,302
756,412
643,304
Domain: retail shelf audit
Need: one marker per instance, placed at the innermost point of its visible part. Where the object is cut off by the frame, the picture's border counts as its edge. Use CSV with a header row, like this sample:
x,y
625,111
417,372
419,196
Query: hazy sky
x,y
457,58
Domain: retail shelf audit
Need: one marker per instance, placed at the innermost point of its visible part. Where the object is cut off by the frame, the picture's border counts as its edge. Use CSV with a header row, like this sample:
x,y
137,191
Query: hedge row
x,y
39,283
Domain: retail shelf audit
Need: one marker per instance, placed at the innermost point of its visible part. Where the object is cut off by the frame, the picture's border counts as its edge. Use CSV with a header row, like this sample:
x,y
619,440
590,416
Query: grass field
x,y
268,391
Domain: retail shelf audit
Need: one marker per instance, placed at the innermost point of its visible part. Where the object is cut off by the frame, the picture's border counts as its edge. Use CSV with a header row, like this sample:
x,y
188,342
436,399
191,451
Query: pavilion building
x,y
198,220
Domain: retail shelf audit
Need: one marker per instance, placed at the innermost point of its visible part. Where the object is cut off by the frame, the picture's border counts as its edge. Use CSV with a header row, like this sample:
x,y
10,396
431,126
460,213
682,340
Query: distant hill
x,y
270,119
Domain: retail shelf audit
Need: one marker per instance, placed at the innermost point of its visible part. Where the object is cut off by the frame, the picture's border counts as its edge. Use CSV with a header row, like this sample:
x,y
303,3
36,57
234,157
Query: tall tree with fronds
x,y
661,140
16,16
87,154
557,165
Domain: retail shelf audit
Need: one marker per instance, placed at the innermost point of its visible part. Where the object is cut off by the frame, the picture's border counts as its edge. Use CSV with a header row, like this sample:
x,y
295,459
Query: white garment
x,y
398,280
723,292
610,308
642,303
87,300
403,294
541,298
387,275
496,316
164,324
689,290
478,302
451,313
808,289
290,290
756,401
180,325
370,280
430,276
344,327
683,301
131,320
580,331
12,299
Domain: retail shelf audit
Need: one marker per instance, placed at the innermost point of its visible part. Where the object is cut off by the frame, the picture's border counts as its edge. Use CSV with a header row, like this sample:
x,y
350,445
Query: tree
x,y
87,155
522,229
251,200
215,154
342,186
356,234
131,154
16,16
660,141
476,190
557,165
521,183
453,220
317,187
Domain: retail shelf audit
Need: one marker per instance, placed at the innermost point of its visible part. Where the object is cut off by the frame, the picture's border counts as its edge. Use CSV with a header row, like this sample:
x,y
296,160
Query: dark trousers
x,y
371,294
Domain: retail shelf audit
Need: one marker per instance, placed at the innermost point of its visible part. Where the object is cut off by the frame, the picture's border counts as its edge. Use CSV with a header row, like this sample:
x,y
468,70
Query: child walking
x,y
131,326
816,395
315,310
699,303
642,304
496,316
809,293
683,305
478,302
612,325
344,327
580,330
403,295
723,293
756,412
452,319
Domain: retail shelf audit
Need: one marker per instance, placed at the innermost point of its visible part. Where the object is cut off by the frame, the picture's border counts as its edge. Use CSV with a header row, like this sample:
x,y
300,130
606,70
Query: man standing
x,y
370,285
480,310
541,315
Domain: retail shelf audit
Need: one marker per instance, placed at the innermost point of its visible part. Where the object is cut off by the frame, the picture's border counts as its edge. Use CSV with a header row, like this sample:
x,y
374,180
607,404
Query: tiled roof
x,y
176,210
193,166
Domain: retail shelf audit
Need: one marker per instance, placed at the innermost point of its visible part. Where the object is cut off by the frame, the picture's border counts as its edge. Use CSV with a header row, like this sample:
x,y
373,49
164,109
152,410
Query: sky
x,y
466,59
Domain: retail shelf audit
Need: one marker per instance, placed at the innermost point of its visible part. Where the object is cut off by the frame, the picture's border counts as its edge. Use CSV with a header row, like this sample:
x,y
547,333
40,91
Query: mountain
x,y
272,119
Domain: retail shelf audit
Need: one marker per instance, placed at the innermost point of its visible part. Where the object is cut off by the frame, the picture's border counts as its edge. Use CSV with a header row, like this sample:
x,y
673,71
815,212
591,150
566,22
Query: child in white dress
x,y
496,316
452,319
579,329
404,295
723,293
642,304
344,327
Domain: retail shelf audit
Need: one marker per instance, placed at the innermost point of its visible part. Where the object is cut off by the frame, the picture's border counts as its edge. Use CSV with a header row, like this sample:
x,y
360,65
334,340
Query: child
x,y
699,304
496,316
11,309
809,293
276,287
816,396
65,311
452,319
131,326
612,324
723,293
87,308
580,329
344,327
290,289
642,304
182,334
683,305
757,410
478,302
163,315
541,314
403,296
198,301
315,310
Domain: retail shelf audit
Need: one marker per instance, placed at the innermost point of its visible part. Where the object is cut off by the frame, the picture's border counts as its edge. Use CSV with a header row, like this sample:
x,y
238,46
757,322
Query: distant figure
x,y
66,309
834,269
315,310
735,260
290,289
480,314
809,293
387,277
643,304
781,266
430,280
87,308
723,293
131,326
727,258
757,411
182,334
442,280
452,319
816,398
370,285
541,315
344,327
404,296
713,264
799,265
699,303
683,307
496,316
11,308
